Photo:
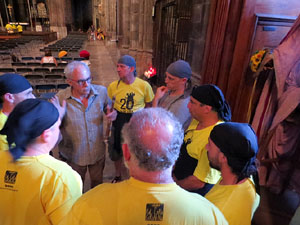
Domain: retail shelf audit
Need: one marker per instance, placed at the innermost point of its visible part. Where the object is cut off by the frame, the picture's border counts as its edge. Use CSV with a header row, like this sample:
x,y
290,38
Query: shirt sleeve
x,y
109,91
63,194
149,95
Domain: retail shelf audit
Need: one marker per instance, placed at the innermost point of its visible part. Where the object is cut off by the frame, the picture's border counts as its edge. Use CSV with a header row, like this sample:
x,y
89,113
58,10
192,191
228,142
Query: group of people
x,y
48,58
95,34
13,28
188,164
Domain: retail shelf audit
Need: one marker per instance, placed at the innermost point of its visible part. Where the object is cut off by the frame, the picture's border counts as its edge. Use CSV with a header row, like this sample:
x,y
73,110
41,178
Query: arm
x,y
60,107
55,62
190,183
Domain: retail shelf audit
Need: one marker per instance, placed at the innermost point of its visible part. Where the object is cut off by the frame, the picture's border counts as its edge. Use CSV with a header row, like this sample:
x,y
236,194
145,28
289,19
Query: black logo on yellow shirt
x,y
128,102
154,212
10,177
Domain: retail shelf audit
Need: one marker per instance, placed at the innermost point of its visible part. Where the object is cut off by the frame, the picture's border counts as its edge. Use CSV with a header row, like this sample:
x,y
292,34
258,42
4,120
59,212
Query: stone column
x,y
125,19
200,18
57,17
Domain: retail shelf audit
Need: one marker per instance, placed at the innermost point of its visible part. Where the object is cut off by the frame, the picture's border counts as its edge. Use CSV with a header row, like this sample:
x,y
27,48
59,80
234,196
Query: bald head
x,y
154,137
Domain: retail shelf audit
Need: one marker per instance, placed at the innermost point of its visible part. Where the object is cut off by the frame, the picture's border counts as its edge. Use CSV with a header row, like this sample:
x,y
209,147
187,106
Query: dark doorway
x,y
82,14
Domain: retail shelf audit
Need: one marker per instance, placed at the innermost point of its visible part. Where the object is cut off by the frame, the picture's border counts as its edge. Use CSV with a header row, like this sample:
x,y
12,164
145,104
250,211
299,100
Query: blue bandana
x,y
180,69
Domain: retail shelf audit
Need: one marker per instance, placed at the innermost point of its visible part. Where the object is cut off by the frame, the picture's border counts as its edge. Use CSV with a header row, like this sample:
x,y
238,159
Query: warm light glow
x,y
150,73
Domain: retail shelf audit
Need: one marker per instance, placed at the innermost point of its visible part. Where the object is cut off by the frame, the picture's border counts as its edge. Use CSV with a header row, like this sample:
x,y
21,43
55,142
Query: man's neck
x,y
7,108
177,92
129,79
206,123
229,178
159,177
36,150
78,96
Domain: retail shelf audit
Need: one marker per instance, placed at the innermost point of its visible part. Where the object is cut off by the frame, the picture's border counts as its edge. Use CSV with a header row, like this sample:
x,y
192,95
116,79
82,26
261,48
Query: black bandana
x,y
13,83
238,142
27,121
211,95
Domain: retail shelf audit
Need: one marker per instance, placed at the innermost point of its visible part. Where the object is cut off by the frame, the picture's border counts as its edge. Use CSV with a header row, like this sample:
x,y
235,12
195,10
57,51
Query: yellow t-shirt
x,y
36,190
197,150
136,202
3,140
237,202
130,97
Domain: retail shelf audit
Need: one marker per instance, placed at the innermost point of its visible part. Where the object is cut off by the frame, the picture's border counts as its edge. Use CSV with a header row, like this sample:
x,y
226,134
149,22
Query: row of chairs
x,y
38,64
31,70
47,91
71,43
39,58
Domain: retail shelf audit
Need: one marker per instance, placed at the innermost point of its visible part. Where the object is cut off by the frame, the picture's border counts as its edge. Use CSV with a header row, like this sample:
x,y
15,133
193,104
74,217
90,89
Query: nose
x,y
206,147
166,80
85,83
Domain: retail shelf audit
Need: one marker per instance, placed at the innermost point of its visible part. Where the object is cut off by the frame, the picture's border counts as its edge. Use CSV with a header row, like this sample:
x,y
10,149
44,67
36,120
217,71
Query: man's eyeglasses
x,y
81,82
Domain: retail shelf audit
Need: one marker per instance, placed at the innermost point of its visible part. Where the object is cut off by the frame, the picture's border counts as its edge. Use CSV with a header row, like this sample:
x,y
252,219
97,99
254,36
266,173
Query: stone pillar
x,y
57,17
23,11
68,15
200,18
125,19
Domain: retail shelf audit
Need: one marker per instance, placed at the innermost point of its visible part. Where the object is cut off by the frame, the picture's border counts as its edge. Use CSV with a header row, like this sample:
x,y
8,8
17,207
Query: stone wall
x,y
136,31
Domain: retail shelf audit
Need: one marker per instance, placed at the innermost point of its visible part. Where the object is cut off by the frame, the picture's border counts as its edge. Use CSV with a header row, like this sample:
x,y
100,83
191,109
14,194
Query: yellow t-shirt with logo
x,y
129,98
3,140
196,149
136,202
36,190
237,202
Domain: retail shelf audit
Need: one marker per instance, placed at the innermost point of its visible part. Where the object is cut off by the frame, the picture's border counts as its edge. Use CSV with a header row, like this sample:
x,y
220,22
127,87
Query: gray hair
x,y
73,65
143,135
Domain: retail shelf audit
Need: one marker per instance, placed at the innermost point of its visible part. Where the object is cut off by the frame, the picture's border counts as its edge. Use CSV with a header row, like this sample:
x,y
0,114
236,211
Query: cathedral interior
x,y
218,38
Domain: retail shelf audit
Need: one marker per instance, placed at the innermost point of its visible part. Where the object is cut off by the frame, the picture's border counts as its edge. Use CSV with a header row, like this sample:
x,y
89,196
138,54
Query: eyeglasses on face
x,y
81,82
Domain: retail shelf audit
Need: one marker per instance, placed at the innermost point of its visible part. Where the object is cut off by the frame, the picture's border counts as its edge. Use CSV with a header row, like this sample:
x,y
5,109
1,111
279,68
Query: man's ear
x,y
184,80
132,69
69,81
46,135
208,108
8,97
222,158
126,152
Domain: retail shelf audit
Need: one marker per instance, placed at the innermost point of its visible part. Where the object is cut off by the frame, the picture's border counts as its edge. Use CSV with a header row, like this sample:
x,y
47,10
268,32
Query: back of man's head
x,y
238,142
29,119
154,137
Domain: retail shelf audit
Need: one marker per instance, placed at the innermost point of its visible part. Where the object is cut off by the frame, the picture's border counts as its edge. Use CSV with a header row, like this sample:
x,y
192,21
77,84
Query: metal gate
x,y
171,33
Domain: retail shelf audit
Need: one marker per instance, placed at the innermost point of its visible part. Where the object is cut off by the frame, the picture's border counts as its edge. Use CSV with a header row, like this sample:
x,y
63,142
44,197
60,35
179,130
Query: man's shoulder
x,y
64,93
55,165
141,81
3,119
114,83
98,87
